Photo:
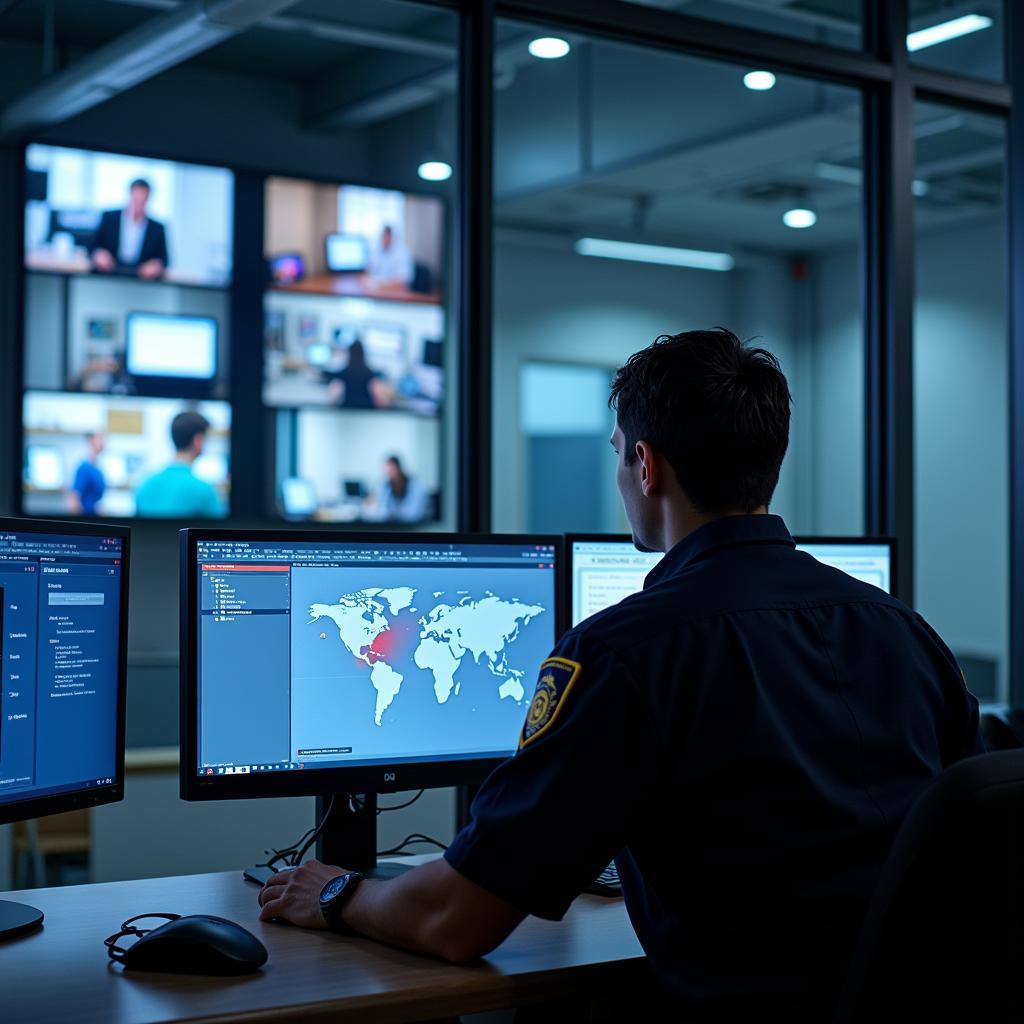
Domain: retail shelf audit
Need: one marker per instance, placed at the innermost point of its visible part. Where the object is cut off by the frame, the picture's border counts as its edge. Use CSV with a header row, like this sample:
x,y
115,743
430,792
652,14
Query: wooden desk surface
x,y
61,972
359,286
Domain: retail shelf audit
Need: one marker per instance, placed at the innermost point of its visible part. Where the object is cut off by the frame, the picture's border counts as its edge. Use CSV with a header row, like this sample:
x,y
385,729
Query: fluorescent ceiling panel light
x,y
434,170
759,81
799,218
946,30
695,259
548,48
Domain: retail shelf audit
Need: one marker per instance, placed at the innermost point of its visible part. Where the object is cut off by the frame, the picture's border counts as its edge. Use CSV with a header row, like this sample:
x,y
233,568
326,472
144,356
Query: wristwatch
x,y
333,897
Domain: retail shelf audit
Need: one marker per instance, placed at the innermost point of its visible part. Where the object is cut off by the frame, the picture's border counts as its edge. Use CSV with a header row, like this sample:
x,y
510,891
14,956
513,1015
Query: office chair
x,y
943,936
1003,730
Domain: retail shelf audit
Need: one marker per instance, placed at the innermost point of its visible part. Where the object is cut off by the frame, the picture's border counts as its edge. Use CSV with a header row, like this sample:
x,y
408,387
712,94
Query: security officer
x,y
744,736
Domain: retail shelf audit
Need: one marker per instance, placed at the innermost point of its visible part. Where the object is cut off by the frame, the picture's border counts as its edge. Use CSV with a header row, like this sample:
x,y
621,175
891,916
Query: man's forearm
x,y
405,912
431,910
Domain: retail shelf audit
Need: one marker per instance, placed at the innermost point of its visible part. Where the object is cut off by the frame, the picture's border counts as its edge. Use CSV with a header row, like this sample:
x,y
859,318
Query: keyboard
x,y
607,883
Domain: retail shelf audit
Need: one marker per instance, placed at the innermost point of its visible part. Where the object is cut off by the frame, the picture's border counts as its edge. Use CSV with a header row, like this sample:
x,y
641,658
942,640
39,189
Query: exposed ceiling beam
x,y
335,31
162,42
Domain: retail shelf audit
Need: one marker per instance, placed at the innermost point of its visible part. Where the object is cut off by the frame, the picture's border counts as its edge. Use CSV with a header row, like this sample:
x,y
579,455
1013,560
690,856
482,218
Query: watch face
x,y
333,887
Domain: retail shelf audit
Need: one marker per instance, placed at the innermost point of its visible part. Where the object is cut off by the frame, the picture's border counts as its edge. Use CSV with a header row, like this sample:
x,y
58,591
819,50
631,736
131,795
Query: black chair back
x,y
943,937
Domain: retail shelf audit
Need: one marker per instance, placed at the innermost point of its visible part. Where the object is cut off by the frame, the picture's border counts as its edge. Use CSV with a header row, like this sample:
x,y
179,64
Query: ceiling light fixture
x,y
548,48
759,81
946,30
695,259
799,218
434,170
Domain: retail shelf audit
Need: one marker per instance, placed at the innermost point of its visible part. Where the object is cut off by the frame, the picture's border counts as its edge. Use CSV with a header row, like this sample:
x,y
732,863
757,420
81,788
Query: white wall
x,y
551,304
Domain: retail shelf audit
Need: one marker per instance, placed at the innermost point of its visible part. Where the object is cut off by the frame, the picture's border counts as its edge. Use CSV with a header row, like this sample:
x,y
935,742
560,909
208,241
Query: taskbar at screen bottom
x,y
319,765
13,796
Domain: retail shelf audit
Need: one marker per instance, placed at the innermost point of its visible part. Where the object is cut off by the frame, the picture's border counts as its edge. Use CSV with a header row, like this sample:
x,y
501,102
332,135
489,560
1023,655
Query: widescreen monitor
x,y
298,497
63,623
324,663
346,253
171,345
606,569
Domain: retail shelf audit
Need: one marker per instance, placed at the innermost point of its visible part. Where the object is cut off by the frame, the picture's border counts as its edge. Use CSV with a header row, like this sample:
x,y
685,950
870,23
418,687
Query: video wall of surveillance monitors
x,y
128,340
127,301
354,329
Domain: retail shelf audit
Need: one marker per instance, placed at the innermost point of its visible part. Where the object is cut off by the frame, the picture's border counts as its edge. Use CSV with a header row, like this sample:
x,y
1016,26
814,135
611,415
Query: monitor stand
x,y
348,839
17,918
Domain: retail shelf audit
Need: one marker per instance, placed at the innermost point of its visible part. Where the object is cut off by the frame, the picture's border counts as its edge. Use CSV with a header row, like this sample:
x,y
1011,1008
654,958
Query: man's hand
x,y
103,260
151,269
295,895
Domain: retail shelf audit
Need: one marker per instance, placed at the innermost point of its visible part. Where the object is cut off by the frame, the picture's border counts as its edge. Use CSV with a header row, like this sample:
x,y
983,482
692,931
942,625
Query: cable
x,y
292,855
410,840
399,807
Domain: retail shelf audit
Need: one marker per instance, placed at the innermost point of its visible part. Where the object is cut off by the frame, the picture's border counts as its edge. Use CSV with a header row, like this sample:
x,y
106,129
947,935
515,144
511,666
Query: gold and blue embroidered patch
x,y
557,676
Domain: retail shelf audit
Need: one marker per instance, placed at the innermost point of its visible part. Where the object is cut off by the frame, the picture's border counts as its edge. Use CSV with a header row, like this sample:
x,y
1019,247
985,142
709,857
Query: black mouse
x,y
197,944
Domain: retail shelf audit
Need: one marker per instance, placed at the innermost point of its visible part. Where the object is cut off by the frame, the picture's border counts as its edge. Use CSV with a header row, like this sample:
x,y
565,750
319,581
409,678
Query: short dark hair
x,y
715,408
185,426
140,183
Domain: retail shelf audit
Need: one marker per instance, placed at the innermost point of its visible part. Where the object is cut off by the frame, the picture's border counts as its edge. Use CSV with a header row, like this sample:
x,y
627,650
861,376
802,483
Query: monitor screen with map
x,y
319,663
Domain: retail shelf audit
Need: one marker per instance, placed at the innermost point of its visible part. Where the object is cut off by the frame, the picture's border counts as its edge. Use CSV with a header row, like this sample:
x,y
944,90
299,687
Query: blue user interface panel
x,y
325,655
61,627
605,572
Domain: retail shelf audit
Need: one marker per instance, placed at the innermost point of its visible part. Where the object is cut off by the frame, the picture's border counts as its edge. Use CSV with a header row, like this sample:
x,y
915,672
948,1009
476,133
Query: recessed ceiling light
x,y
434,170
799,218
548,48
696,259
759,81
946,30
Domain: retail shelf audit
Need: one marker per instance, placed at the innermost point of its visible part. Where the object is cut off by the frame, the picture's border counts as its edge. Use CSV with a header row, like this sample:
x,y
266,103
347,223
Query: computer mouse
x,y
197,944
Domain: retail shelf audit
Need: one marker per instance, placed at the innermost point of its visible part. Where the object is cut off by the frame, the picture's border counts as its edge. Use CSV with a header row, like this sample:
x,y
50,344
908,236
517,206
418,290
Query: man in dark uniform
x,y
744,737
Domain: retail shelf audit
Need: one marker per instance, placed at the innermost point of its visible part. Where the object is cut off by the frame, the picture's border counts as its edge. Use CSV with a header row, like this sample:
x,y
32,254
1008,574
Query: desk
x,y
359,286
311,977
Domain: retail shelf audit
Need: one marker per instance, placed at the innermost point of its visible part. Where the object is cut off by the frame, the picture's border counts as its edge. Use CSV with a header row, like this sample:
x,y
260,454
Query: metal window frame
x,y
890,84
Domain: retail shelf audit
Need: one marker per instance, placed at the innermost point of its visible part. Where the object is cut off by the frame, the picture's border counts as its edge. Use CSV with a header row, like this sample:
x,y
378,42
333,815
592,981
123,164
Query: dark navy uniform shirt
x,y
744,737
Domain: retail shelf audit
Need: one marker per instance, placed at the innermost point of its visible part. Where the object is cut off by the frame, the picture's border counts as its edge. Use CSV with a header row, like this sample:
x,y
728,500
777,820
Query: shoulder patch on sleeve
x,y
557,676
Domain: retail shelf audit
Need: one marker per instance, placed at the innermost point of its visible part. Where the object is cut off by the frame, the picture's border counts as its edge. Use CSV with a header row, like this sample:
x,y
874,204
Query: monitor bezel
x,y
59,803
625,538
377,778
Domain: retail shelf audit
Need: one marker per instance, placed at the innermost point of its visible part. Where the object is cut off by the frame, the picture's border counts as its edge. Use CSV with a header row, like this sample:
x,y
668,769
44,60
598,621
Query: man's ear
x,y
650,471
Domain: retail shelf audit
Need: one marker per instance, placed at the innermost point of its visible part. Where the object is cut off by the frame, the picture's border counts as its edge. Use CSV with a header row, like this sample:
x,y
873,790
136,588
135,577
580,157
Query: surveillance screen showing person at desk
x,y
111,214
605,572
340,466
351,354
60,635
96,455
353,240
315,654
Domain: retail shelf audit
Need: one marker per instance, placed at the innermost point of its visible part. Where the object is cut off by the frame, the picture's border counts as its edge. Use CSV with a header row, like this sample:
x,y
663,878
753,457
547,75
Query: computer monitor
x,y
63,629
298,497
286,268
170,347
603,569
340,663
354,490
346,254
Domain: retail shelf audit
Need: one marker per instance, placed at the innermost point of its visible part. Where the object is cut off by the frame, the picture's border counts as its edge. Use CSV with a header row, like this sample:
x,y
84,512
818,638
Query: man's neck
x,y
682,524
184,458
